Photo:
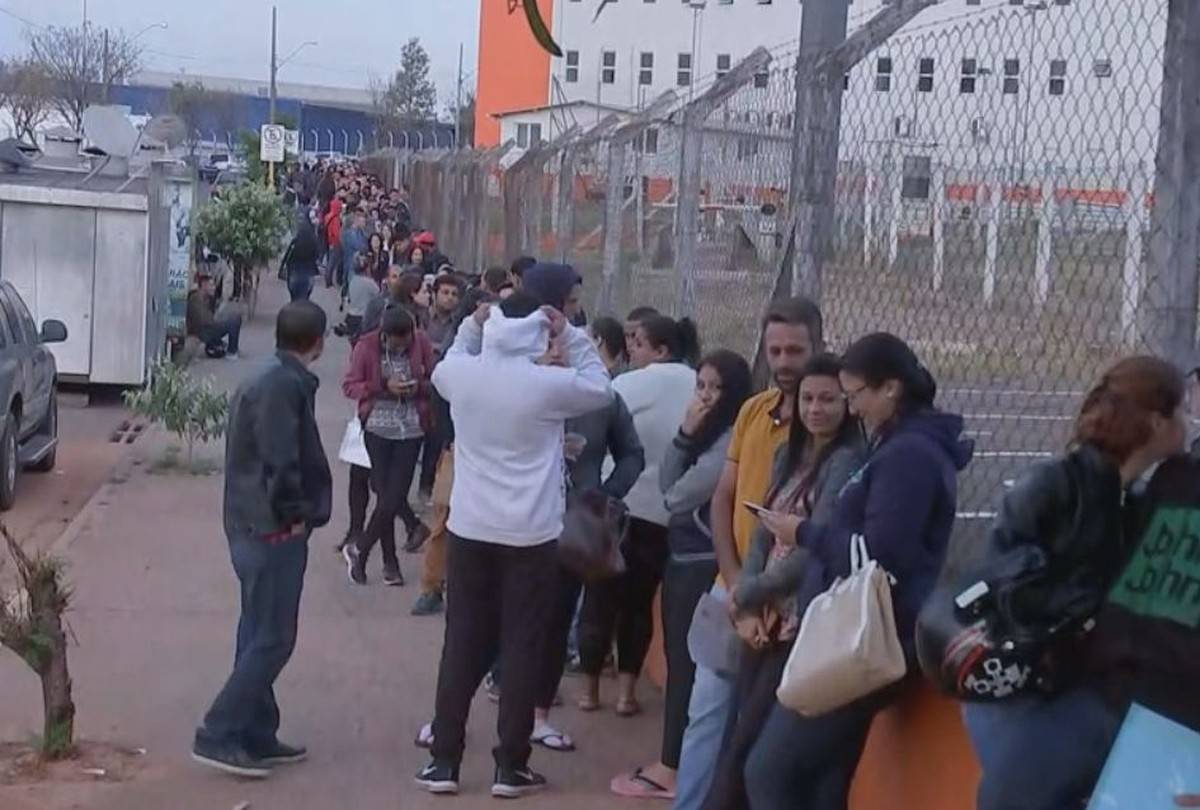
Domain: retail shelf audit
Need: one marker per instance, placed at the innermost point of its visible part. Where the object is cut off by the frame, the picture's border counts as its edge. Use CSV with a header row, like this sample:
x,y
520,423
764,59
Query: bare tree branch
x,y
25,93
82,64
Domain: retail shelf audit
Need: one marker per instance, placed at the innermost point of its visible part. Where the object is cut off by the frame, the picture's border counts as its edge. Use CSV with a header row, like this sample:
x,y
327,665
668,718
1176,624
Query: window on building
x,y
970,72
883,74
1016,2
972,2
647,142
925,74
1058,77
608,67
747,148
845,81
1012,76
1062,2
683,77
902,126
1102,68
915,184
572,67
523,136
979,131
762,80
646,71
724,63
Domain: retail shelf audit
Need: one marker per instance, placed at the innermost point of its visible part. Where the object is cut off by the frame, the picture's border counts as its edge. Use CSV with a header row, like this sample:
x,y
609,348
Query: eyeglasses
x,y
853,395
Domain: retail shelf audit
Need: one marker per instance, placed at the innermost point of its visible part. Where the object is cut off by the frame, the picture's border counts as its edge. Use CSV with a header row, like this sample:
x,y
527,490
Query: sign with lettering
x,y
271,143
1162,579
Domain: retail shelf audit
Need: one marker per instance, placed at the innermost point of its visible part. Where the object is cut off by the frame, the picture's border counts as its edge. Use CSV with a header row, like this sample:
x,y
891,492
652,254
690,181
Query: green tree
x,y
191,409
410,95
246,226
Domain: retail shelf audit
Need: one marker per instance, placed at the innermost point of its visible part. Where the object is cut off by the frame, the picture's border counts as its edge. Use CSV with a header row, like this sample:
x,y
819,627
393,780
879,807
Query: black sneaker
x,y
513,783
280,754
392,576
429,604
354,568
417,538
232,759
439,778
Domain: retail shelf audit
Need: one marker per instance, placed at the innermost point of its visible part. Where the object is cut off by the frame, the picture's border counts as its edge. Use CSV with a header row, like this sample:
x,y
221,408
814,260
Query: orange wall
x,y
514,71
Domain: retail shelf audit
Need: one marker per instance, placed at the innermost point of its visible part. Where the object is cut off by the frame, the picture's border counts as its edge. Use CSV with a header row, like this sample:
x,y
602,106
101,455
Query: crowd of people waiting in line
x,y
743,506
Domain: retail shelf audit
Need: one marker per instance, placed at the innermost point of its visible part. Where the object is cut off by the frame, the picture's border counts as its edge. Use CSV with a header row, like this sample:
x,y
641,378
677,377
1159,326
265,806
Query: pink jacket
x,y
364,381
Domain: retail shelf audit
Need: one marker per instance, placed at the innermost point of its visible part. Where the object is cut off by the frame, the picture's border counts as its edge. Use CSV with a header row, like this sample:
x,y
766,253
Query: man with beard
x,y
792,334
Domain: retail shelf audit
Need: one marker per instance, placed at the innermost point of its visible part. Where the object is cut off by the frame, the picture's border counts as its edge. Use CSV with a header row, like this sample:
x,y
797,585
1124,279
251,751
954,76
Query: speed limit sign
x,y
271,143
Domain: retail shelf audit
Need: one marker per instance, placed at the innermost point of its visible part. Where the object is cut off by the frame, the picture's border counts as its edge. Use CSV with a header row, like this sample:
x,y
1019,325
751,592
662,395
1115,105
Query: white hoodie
x,y
658,397
508,418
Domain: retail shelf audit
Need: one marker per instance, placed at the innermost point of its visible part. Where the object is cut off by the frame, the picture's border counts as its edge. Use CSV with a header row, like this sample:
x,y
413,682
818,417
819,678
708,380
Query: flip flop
x,y
424,737
586,704
549,737
628,708
637,785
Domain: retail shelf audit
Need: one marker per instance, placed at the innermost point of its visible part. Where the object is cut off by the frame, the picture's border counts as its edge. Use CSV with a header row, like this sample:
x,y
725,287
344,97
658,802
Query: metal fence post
x,y
1131,275
613,204
1169,315
564,204
687,222
1045,237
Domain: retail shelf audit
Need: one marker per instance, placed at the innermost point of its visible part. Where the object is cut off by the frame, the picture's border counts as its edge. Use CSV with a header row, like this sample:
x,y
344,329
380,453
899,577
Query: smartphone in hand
x,y
757,509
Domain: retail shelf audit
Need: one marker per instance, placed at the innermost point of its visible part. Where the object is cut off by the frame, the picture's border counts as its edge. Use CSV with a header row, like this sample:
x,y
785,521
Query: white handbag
x,y
847,647
354,447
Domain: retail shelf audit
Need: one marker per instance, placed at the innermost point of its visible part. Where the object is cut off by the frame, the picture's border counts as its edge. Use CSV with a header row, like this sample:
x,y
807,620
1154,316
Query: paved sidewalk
x,y
154,614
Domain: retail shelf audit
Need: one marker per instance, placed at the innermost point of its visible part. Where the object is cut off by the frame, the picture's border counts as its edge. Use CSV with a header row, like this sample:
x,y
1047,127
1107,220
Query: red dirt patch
x,y
92,762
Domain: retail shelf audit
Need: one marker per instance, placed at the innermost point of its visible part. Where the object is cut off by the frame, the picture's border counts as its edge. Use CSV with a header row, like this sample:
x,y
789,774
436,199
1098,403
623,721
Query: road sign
x,y
291,141
271,143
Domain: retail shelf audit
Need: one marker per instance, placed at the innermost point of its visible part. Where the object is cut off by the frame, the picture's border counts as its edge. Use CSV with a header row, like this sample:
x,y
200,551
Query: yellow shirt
x,y
757,434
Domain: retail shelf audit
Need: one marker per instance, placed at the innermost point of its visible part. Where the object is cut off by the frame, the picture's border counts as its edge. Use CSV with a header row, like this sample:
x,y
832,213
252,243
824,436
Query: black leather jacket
x,y
1073,510
276,473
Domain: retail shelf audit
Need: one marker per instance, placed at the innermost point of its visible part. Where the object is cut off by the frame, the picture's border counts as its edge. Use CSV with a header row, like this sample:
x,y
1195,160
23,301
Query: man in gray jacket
x,y
277,491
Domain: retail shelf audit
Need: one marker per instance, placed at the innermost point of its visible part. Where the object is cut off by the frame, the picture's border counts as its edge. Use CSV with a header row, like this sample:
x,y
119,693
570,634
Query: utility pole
x,y
458,102
274,65
274,70
104,77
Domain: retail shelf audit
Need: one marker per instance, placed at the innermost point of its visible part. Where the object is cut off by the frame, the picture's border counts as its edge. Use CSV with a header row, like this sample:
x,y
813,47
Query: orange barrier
x,y
918,756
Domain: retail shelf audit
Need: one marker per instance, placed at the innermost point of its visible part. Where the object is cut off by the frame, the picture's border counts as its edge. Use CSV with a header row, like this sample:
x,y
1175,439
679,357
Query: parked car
x,y
29,431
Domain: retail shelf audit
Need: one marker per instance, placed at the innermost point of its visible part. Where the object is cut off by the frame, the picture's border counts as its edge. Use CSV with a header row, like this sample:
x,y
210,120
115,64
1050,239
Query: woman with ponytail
x,y
1057,547
657,390
902,500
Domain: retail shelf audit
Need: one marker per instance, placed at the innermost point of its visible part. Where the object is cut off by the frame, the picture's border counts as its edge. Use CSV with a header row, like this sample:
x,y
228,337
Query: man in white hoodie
x,y
506,511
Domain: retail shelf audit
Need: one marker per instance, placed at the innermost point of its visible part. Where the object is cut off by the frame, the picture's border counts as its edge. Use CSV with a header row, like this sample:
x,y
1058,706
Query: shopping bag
x,y
848,646
354,447
1155,762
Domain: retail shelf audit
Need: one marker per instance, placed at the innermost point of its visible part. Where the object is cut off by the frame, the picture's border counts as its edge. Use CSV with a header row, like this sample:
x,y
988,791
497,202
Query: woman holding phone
x,y
822,452
389,377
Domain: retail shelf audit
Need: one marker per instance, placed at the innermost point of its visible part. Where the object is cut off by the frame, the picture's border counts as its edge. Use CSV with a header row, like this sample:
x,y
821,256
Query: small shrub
x,y
191,409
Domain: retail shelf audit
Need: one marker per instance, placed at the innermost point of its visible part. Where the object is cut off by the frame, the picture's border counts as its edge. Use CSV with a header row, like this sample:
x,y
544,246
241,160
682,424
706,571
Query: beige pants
x,y
433,571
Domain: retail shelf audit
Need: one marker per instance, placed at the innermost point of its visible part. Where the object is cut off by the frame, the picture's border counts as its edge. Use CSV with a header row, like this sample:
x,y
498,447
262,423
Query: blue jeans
x,y
708,712
1041,753
272,577
300,287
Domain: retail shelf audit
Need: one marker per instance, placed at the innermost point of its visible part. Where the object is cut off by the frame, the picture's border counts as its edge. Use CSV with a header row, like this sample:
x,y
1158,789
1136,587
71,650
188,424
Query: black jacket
x,y
1072,509
304,251
276,473
609,431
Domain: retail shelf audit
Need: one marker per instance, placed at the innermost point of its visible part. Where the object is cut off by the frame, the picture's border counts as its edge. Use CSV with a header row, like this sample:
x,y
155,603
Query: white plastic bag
x,y
354,447
848,646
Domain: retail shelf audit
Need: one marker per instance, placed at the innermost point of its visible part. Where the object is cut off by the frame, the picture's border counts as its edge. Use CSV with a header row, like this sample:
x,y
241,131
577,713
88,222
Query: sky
x,y
356,39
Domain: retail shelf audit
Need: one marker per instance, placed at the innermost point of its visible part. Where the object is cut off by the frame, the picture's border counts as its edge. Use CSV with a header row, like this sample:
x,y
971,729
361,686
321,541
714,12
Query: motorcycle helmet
x,y
989,639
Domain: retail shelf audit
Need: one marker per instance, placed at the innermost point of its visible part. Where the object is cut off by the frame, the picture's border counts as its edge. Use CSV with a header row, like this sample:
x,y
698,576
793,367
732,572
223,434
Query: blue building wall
x,y
323,128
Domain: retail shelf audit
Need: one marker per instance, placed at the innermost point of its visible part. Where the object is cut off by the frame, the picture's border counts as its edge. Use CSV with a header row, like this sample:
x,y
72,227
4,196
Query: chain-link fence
x,y
1008,195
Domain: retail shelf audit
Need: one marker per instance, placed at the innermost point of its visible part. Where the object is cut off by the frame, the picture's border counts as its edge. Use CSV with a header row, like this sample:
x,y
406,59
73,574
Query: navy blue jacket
x,y
903,500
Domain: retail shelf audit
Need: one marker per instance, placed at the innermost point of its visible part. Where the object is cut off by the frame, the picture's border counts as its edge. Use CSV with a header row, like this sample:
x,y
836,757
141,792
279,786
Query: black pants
x,y
558,625
393,464
808,763
435,442
684,582
754,700
359,493
497,599
272,578
625,604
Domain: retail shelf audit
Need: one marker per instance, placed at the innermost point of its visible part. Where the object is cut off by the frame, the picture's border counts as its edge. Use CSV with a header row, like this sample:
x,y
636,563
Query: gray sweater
x,y
757,585
688,485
